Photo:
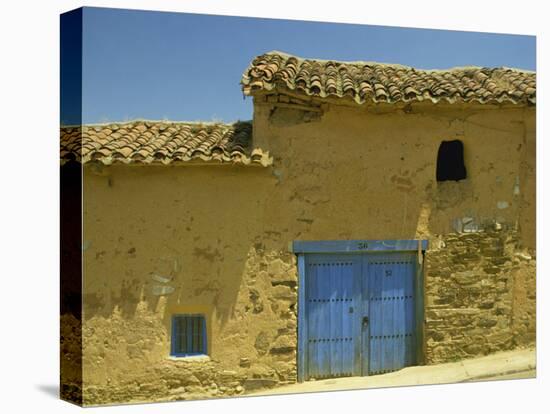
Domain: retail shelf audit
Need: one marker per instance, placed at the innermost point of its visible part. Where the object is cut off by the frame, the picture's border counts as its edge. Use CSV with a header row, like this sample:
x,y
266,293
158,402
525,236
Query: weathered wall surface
x,y
219,235
480,295
383,165
200,228
375,178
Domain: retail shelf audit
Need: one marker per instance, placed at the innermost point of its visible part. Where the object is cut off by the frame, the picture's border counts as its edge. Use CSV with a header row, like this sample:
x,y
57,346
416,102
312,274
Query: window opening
x,y
450,161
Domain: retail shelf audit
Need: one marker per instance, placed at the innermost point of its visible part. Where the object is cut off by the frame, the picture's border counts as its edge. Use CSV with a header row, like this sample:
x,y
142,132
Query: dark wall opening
x,y
450,161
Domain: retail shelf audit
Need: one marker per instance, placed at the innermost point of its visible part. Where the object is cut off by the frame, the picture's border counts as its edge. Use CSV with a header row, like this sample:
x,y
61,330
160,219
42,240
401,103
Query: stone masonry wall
x,y
480,295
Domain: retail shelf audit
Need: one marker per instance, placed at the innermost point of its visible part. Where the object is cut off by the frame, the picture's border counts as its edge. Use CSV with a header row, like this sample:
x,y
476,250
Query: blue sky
x,y
178,66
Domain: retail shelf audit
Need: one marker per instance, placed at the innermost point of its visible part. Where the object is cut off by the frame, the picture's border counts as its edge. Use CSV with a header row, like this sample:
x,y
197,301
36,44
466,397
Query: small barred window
x,y
188,335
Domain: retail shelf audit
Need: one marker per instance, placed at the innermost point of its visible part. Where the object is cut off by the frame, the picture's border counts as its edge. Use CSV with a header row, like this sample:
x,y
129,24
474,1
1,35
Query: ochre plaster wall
x,y
379,168
201,228
220,235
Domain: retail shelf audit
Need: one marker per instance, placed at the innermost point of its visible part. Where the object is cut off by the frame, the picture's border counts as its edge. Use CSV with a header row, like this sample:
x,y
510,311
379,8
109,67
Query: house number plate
x,y
362,245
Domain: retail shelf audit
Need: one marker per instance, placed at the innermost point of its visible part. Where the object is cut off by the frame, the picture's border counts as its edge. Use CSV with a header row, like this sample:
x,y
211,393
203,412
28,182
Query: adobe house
x,y
369,217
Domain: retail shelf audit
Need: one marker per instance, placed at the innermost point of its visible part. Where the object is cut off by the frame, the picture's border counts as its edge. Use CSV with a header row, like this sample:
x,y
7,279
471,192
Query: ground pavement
x,y
514,364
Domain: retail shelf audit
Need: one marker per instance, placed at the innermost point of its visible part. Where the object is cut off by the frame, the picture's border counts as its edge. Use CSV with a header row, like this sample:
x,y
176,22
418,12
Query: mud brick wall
x,y
480,295
126,357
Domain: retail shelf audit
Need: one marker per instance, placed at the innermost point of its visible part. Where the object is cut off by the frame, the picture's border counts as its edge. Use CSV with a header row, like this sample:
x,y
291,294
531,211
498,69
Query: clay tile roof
x,y
160,142
377,82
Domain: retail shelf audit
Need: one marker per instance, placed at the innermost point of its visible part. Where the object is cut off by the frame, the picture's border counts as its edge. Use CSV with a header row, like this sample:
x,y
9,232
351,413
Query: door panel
x,y
390,294
332,301
359,313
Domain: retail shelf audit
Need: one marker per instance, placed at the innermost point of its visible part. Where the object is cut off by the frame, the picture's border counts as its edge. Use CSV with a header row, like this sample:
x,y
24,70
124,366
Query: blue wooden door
x,y
359,313
333,304
388,331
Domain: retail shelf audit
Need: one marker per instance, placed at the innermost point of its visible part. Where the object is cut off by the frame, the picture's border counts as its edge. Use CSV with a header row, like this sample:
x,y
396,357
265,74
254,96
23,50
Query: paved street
x,y
532,373
503,365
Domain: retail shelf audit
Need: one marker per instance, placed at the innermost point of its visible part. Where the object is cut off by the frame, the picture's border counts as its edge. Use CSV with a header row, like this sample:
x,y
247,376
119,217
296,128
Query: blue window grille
x,y
188,335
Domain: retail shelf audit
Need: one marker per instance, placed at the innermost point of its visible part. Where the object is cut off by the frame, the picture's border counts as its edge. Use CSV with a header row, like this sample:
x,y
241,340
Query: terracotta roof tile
x,y
376,82
158,142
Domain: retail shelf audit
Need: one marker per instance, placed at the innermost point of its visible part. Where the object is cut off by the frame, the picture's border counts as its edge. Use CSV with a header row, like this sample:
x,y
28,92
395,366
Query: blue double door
x,y
359,313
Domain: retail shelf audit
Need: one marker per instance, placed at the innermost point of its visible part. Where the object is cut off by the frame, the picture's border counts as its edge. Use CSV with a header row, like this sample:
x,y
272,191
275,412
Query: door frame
x,y
300,248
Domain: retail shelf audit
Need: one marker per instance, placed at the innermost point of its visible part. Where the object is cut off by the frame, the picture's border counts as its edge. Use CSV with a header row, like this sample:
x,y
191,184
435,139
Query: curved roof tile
x,y
377,82
149,142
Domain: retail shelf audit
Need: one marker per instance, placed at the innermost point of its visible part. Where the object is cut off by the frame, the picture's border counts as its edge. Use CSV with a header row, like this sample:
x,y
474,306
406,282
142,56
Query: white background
x,y
29,206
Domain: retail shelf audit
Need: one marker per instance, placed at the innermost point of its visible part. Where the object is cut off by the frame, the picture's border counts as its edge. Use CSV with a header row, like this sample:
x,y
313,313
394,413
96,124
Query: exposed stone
x,y
470,313
502,310
491,269
189,379
493,251
283,344
486,322
466,278
501,287
284,292
487,304
261,371
255,299
227,375
253,384
177,391
523,256
262,342
276,267
474,349
244,362
437,336
194,390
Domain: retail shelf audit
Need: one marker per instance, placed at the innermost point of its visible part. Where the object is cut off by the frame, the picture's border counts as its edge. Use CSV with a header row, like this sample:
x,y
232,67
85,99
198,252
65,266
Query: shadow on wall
x,y
173,237
214,278
182,234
